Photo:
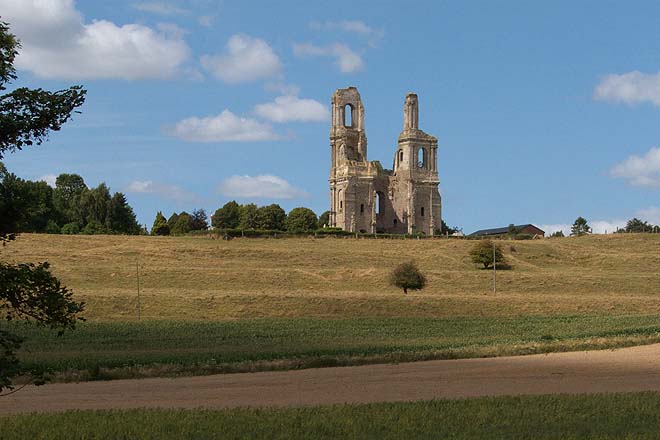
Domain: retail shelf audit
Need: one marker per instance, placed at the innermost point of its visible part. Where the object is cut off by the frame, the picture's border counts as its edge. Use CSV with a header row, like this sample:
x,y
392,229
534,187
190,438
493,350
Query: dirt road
x,y
628,369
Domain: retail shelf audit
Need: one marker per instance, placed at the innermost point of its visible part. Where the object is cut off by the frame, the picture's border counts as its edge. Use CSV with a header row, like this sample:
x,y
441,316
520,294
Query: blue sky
x,y
544,111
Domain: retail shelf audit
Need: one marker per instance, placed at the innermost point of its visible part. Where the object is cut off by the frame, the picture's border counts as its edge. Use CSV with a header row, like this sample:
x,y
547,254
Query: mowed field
x,y
212,306
197,278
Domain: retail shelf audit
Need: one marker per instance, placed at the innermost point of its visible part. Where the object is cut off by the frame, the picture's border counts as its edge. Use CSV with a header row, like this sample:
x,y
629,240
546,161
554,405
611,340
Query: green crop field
x,y
247,304
606,416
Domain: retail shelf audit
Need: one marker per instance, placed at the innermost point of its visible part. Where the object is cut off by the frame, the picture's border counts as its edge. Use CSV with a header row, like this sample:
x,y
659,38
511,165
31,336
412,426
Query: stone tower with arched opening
x,y
365,197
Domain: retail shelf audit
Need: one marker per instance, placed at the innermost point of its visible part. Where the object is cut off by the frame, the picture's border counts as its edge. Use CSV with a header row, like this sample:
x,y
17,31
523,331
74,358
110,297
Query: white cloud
x,y
631,88
651,215
346,59
49,179
245,59
57,43
163,190
291,108
354,26
606,226
159,7
222,128
282,88
259,187
552,228
640,171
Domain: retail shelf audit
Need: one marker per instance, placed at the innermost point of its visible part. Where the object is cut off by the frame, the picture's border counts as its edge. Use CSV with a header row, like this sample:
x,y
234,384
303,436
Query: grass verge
x,y
599,416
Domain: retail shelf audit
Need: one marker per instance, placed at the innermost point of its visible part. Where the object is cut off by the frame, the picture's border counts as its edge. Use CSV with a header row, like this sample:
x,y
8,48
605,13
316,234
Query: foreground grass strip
x,y
165,348
605,416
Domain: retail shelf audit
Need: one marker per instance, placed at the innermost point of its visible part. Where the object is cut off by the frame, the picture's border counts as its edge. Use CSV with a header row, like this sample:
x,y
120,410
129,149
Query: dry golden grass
x,y
200,278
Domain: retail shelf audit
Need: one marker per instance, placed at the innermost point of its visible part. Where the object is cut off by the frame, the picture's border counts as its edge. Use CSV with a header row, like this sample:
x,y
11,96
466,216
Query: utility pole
x,y
494,270
137,271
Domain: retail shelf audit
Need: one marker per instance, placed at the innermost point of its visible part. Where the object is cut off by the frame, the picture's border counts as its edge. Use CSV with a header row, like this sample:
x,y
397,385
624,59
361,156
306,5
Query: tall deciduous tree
x,y
28,292
227,217
249,217
271,217
301,219
199,220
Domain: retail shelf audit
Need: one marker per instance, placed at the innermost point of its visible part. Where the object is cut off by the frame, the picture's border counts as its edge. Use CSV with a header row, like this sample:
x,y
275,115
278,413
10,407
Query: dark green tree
x,y
271,217
227,217
301,219
28,292
557,234
446,230
67,198
172,220
199,220
637,225
249,217
97,203
324,219
482,253
407,276
182,225
160,226
580,227
121,218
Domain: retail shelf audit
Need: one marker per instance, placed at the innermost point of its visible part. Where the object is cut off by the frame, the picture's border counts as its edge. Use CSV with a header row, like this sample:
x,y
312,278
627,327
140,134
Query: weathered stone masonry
x,y
364,196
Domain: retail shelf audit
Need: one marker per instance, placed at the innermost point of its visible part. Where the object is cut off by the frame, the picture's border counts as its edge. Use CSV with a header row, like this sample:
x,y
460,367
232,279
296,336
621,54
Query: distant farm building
x,y
528,229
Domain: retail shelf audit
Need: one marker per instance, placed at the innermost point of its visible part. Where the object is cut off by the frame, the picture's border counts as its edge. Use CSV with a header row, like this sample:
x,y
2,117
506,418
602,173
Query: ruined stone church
x,y
365,197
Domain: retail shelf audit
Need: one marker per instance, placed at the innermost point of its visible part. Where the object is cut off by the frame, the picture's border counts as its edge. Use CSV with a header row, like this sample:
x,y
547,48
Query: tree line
x,y
71,207
245,217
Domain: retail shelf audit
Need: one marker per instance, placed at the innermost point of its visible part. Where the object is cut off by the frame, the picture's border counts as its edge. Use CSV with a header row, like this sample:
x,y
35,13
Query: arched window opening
x,y
422,211
380,199
339,197
400,156
348,115
361,208
395,222
421,158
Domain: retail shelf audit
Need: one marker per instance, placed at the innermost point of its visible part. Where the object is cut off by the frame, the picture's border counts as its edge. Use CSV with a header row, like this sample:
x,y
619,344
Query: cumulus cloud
x,y
606,226
291,108
259,187
166,191
630,88
640,171
346,59
223,127
245,59
57,43
159,7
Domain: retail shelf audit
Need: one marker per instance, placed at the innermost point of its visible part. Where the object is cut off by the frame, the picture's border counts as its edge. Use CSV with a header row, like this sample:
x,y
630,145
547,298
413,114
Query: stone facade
x,y
364,196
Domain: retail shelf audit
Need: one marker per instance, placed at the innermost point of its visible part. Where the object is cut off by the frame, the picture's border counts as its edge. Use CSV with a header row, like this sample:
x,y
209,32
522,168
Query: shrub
x,y
407,276
70,229
482,253
52,228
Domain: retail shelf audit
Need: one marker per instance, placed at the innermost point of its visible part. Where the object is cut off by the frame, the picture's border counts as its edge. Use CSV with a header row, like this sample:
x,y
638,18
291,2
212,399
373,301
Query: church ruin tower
x,y
364,197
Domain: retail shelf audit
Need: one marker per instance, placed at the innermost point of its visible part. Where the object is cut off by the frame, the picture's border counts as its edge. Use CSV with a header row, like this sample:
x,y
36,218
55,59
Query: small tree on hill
x,y
407,276
482,253
301,219
557,234
160,226
580,227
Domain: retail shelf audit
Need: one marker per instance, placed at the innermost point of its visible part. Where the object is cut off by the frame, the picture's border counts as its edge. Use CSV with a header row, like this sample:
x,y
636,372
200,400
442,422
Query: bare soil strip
x,y
621,370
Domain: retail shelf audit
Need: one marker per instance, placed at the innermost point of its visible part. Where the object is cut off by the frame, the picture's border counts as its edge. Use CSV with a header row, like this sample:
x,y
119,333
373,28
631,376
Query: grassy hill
x,y
200,278
212,306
